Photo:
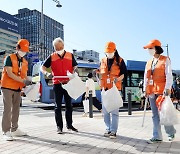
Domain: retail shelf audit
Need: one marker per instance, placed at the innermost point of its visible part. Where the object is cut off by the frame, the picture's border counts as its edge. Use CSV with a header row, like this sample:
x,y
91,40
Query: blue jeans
x,y
157,134
111,119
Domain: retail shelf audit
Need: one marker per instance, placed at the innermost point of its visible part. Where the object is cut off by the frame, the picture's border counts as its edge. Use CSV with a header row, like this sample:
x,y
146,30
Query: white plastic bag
x,y
32,91
111,99
75,87
168,114
86,105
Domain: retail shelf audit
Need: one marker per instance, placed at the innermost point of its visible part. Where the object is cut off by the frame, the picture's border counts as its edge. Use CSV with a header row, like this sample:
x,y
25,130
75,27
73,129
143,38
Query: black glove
x,y
27,82
49,75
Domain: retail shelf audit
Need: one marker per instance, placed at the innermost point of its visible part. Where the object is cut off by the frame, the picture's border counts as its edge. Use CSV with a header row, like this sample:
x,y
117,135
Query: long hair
x,y
159,50
117,57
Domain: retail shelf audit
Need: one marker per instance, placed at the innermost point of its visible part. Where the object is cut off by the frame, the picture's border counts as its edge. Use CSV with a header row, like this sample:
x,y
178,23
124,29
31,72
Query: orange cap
x,y
152,44
24,45
110,47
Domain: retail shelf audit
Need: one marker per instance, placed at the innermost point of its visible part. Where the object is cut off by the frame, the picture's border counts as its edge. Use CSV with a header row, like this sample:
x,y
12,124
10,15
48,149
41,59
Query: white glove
x,y
70,75
167,92
115,80
49,75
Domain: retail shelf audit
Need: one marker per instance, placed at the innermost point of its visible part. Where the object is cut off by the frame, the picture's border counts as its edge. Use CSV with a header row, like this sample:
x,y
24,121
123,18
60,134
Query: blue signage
x,y
9,22
34,55
35,61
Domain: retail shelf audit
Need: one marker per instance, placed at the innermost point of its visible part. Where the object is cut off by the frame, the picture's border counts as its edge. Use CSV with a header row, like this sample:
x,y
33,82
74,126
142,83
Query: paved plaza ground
x,y
42,137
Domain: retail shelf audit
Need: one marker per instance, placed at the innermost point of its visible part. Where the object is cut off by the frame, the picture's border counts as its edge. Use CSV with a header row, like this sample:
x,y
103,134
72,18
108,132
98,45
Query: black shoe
x,y
72,128
171,137
154,140
59,130
112,135
107,133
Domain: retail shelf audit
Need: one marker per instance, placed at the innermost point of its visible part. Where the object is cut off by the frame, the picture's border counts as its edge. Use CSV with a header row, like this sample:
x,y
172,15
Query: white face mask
x,y
152,51
110,55
60,52
21,54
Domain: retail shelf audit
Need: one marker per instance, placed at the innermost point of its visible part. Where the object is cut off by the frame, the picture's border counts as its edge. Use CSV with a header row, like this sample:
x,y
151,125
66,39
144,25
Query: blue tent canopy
x,y
88,65
131,65
136,65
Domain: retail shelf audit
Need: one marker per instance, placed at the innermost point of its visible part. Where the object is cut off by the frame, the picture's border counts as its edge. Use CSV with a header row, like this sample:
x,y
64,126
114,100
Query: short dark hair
x,y
159,50
90,75
18,46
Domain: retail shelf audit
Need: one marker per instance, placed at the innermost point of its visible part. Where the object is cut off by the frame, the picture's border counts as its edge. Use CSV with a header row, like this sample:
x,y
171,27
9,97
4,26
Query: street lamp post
x,y
42,27
57,3
42,32
167,47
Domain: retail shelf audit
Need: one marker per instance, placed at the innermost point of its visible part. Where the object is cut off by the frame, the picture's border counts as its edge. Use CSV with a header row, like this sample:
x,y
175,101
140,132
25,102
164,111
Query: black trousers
x,y
59,92
96,102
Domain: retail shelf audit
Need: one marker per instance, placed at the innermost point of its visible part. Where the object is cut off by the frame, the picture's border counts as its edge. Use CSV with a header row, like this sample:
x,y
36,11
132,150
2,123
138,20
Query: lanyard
x,y
20,67
153,65
19,64
110,63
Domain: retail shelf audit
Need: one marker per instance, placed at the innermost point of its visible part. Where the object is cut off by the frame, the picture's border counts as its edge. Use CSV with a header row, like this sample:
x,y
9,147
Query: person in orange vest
x,y
14,78
112,69
158,80
60,62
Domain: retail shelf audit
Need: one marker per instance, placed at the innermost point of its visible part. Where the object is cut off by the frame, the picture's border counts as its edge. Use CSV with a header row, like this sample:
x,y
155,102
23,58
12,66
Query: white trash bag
x,y
86,105
111,99
32,91
75,87
168,114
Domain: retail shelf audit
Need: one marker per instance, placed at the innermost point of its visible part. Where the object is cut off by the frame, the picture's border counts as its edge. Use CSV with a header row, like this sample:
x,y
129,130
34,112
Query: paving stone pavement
x,y
43,139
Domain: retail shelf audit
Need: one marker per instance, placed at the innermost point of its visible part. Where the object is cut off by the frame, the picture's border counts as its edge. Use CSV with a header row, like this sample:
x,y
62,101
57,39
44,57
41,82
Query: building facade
x,y
30,29
9,35
87,55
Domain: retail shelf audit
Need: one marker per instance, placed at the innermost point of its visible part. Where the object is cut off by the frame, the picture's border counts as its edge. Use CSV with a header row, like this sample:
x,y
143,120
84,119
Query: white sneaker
x,y
85,115
7,136
18,133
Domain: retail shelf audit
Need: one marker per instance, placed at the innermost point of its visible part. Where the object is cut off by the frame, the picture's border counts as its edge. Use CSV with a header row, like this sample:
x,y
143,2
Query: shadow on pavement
x,y
71,146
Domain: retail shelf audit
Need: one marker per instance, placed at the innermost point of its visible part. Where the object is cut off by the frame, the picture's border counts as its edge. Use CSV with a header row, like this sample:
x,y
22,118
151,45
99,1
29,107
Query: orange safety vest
x,y
61,66
7,82
158,76
112,74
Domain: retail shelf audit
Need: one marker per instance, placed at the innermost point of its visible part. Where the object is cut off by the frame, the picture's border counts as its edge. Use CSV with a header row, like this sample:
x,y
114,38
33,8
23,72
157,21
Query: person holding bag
x,y
112,70
90,85
14,78
158,80
61,62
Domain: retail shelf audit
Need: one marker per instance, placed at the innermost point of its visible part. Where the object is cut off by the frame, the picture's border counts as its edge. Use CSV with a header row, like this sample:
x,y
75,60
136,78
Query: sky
x,y
131,24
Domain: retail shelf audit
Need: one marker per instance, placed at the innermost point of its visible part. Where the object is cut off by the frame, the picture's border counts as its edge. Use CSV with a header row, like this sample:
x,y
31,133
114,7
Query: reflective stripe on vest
x,y
60,66
7,82
158,76
112,74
